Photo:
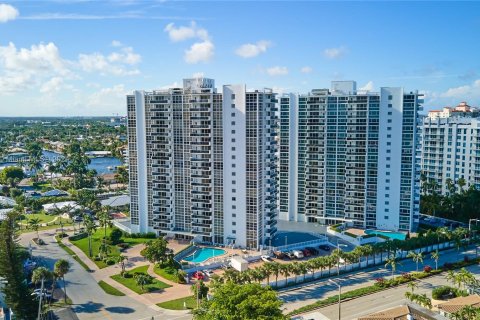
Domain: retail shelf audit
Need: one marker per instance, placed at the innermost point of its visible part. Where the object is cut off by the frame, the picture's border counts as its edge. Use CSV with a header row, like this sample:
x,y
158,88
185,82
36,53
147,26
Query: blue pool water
x,y
203,254
391,235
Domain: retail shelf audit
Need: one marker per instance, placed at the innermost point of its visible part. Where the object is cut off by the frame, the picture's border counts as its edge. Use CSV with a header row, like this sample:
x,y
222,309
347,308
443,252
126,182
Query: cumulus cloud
x,y
108,97
277,71
470,91
7,13
306,69
334,53
27,67
199,52
185,32
52,85
198,75
116,63
116,43
367,87
250,50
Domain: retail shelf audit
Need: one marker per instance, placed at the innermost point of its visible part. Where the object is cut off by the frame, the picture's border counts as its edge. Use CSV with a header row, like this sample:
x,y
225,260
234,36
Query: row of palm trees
x,y
462,278
394,249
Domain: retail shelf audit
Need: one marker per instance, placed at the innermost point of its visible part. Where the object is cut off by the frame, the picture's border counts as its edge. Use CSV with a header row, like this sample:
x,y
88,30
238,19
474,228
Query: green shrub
x,y
79,236
442,292
115,236
110,262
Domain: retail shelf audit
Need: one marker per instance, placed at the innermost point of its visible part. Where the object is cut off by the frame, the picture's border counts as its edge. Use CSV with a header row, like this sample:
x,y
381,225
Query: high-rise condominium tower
x,y
451,148
350,156
203,167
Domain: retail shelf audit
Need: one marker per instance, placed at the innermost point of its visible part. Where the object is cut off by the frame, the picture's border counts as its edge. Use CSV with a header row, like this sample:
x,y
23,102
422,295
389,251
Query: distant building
x,y
399,313
462,110
457,304
350,156
203,165
451,151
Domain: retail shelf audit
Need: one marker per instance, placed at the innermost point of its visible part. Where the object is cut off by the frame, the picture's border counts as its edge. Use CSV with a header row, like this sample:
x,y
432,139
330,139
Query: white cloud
x,y
277,71
108,97
25,68
116,63
7,13
334,53
199,52
251,50
52,85
198,75
306,69
465,92
116,43
185,32
368,87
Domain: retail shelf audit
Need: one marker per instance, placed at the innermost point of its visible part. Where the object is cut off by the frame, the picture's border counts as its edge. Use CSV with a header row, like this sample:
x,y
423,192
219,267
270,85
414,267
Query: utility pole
x,y
339,297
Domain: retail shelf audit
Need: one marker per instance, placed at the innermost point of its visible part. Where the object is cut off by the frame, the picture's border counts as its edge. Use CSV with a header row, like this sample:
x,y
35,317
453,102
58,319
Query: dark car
x,y
325,247
313,251
279,254
306,252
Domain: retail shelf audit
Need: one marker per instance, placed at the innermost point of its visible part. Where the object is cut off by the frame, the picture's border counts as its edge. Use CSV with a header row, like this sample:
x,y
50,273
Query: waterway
x,y
101,165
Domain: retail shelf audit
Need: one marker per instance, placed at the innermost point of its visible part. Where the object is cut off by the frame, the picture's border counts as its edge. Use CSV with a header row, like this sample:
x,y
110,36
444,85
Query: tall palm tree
x,y
412,285
435,255
34,224
90,227
285,271
392,262
275,266
268,269
416,257
337,255
61,268
294,267
303,269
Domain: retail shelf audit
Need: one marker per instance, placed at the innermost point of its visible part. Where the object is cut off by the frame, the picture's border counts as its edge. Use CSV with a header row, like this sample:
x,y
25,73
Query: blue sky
x,y
81,57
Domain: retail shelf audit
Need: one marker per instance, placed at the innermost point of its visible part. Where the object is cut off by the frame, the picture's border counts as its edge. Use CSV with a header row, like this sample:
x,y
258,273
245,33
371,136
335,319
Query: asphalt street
x,y
308,294
89,300
379,301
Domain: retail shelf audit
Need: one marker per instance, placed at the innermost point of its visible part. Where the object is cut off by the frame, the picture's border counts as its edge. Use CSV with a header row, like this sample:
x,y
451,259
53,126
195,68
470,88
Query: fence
x,y
288,247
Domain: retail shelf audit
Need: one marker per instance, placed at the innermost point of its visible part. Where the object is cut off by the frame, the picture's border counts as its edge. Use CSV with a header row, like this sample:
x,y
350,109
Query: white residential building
x,y
348,156
451,151
202,167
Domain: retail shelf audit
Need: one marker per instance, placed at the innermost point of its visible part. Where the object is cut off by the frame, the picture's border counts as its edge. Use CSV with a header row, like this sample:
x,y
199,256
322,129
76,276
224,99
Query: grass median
x,y
70,252
129,280
179,304
109,289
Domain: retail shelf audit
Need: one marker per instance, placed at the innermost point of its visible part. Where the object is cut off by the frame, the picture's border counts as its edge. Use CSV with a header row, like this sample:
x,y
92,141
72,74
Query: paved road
x,y
89,300
322,289
381,300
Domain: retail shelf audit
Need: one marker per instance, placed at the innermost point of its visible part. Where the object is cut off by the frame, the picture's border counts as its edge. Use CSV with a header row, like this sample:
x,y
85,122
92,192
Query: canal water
x,y
101,165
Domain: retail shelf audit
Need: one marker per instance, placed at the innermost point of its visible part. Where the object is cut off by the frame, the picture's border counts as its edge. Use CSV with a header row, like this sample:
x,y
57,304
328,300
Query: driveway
x,y
89,300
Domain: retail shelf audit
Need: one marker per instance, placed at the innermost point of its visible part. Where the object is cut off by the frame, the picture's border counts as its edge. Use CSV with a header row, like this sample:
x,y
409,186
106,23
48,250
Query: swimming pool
x,y
390,234
204,254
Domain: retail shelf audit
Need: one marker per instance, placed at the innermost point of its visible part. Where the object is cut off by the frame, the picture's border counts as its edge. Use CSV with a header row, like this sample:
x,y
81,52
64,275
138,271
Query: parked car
x,y
77,219
266,258
290,254
313,251
306,252
298,254
325,247
198,275
209,273
279,254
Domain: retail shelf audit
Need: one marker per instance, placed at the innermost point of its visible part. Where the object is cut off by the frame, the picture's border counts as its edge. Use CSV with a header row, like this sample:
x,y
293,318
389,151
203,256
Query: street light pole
x,y
339,297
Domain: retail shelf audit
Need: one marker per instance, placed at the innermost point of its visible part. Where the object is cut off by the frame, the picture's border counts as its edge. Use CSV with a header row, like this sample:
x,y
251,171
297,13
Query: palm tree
x,y
367,250
337,255
392,261
295,269
142,279
453,278
41,274
416,257
303,269
122,259
276,268
285,271
34,224
61,268
105,219
435,255
90,227
412,285
268,269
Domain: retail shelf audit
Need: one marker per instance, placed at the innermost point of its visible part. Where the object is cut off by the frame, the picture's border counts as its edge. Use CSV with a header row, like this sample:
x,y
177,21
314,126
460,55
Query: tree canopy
x,y
233,301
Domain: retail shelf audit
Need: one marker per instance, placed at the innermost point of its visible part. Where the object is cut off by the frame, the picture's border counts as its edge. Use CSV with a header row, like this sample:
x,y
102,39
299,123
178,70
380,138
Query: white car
x,y
266,258
209,273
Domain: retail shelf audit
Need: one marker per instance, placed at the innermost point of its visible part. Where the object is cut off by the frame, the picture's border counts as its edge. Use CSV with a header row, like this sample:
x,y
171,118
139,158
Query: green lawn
x,y
164,273
109,289
44,218
132,285
70,252
97,237
178,304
